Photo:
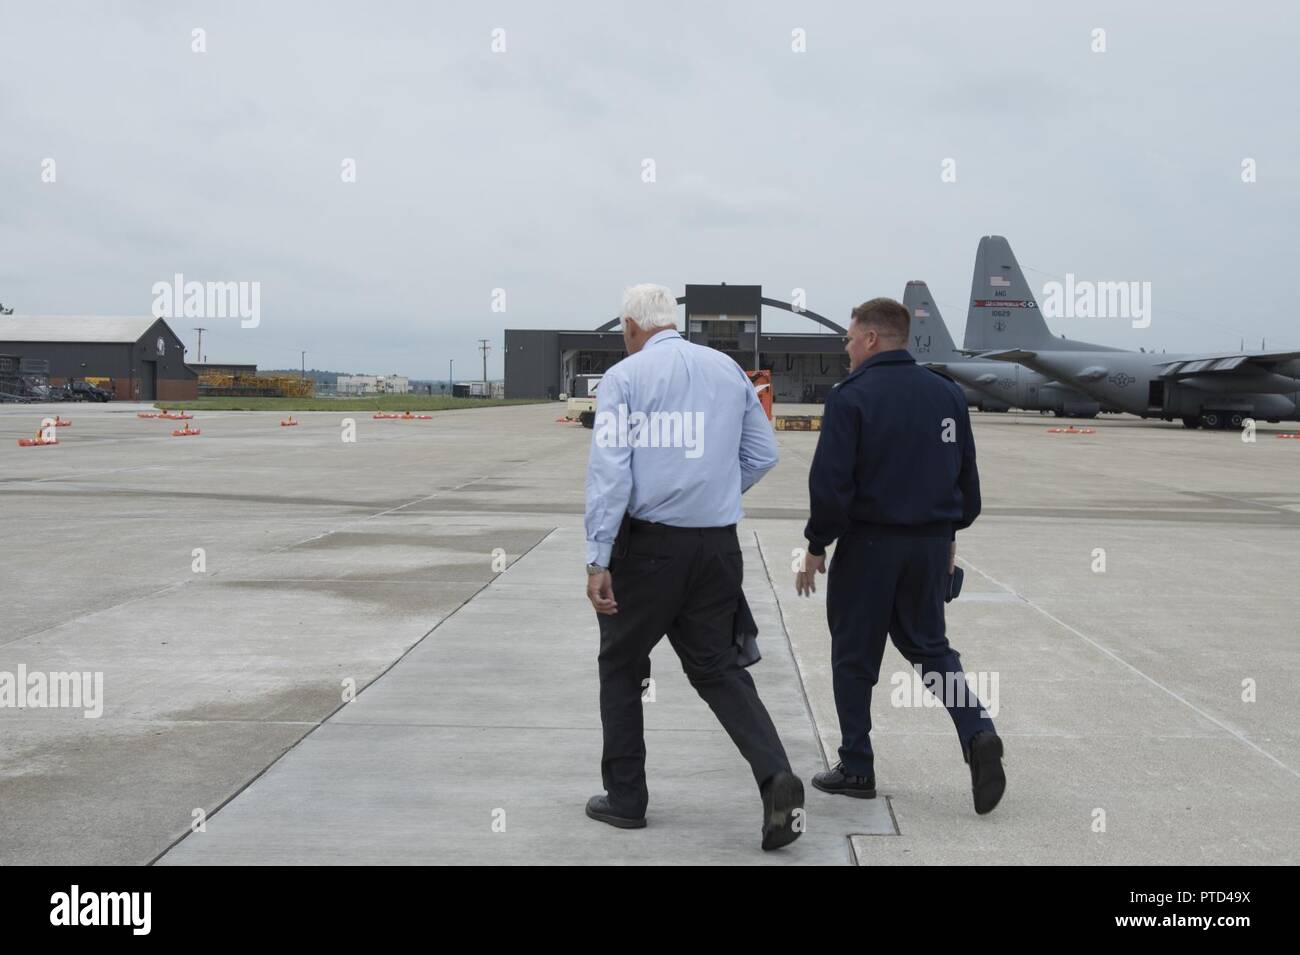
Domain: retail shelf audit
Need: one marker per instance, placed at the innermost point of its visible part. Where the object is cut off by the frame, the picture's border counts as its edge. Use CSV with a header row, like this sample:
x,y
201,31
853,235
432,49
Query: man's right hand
x,y
600,591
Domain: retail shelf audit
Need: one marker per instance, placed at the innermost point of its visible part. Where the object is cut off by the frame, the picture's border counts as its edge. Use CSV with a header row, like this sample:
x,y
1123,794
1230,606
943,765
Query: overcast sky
x,y
522,170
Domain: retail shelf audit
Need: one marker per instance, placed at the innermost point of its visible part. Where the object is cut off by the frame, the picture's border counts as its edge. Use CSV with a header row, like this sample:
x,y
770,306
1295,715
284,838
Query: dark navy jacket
x,y
882,458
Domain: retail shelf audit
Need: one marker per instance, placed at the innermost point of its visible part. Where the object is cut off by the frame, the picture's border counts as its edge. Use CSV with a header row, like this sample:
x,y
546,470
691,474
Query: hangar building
x,y
545,363
141,357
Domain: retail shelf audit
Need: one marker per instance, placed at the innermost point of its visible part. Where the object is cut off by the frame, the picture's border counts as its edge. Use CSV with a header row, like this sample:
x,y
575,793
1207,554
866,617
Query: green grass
x,y
378,403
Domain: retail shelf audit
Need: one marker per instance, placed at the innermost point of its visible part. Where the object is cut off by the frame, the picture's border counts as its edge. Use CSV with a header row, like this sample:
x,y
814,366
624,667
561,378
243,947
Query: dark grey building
x,y
137,358
545,363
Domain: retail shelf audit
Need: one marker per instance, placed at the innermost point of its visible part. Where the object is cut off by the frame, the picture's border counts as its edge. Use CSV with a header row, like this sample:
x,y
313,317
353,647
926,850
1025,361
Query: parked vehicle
x,y
85,391
42,391
582,403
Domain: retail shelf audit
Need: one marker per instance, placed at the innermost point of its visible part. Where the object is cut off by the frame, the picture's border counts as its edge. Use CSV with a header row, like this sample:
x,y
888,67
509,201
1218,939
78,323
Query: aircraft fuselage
x,y
1136,383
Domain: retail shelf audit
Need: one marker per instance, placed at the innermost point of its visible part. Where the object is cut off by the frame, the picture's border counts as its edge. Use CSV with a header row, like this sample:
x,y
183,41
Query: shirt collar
x,y
666,334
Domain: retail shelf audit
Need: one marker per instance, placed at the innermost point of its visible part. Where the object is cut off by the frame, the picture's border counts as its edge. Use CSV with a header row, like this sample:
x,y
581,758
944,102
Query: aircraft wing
x,y
1008,354
1222,364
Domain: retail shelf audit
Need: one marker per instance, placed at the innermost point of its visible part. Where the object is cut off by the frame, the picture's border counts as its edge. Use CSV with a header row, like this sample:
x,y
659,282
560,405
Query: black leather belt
x,y
643,527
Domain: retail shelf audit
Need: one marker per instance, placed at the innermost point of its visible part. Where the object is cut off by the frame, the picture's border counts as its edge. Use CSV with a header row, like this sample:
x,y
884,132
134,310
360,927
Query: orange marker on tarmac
x,y
39,441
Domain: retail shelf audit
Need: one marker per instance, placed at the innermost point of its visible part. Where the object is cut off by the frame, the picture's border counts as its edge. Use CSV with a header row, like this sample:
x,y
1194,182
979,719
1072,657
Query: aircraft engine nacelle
x,y
1181,402
1265,383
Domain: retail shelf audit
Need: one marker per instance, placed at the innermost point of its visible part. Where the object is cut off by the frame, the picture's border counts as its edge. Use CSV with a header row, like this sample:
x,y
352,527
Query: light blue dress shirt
x,y
679,436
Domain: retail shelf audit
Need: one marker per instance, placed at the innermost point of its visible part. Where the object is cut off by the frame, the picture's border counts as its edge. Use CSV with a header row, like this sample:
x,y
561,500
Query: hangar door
x,y
148,381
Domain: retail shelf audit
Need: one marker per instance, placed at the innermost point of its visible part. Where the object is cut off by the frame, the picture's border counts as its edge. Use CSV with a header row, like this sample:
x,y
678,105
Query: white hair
x,y
650,306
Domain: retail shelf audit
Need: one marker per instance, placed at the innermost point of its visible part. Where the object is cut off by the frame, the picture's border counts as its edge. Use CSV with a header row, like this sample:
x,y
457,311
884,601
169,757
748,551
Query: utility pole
x,y
303,375
451,380
484,347
199,350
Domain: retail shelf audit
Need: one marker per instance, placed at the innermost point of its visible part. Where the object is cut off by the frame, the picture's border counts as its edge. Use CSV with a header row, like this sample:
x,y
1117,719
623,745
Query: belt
x,y
644,527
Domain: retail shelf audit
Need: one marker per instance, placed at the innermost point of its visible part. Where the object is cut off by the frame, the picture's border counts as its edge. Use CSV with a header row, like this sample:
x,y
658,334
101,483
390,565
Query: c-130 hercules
x,y
989,385
1213,390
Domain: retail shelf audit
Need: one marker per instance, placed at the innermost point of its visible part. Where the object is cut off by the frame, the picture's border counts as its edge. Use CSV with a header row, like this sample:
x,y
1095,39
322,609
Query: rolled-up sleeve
x,y
609,472
758,450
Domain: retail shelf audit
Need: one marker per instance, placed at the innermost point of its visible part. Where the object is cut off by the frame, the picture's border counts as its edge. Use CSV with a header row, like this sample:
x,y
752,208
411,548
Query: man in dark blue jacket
x,y
892,481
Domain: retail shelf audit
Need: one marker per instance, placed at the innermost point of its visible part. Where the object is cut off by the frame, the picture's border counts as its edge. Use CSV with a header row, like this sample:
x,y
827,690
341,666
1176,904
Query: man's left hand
x,y
805,580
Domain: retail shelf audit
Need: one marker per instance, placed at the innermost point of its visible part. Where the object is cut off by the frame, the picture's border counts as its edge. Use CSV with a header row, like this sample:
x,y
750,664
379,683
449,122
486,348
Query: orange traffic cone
x,y
37,442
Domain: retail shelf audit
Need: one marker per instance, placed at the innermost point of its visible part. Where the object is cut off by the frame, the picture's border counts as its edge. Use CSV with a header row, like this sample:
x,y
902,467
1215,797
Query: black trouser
x,y
884,583
683,582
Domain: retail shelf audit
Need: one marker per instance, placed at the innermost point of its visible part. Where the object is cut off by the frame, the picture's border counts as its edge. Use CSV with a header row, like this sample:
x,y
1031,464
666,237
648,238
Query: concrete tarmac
x,y
379,651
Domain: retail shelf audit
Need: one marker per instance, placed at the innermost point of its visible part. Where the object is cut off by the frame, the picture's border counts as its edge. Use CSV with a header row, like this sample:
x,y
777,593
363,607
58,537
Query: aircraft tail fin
x,y
1003,310
931,340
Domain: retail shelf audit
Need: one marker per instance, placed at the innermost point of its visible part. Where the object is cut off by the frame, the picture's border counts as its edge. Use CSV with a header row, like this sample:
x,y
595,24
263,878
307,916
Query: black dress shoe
x,y
782,810
987,780
598,808
840,783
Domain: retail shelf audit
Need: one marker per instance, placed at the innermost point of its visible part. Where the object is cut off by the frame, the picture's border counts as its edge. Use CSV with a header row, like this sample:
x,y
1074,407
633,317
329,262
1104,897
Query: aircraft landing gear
x,y
1234,420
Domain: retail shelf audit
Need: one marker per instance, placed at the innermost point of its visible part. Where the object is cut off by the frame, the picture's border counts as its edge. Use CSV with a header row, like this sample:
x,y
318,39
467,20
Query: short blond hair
x,y
889,318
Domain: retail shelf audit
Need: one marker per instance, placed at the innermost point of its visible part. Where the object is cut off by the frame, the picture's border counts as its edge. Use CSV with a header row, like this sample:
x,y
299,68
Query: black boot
x,y
987,780
598,808
782,810
840,783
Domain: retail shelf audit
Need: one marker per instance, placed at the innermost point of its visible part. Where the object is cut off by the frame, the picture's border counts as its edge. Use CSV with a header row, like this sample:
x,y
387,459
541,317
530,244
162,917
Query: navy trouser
x,y
882,584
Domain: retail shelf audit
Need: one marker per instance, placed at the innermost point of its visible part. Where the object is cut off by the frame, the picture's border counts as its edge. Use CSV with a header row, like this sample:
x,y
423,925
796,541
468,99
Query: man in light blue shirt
x,y
679,435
